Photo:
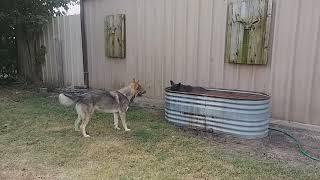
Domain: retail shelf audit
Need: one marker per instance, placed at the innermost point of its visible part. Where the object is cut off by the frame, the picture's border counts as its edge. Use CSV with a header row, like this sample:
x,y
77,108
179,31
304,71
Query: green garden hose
x,y
301,149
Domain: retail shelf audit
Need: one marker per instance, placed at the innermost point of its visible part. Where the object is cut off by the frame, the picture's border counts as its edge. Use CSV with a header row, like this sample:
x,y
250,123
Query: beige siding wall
x,y
184,40
64,62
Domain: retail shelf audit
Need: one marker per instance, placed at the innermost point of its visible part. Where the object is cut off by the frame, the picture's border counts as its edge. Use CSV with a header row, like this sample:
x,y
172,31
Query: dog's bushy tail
x,y
64,100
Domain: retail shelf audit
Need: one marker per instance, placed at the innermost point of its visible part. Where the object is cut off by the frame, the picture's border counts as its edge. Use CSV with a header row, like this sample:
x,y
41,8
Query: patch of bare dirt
x,y
276,146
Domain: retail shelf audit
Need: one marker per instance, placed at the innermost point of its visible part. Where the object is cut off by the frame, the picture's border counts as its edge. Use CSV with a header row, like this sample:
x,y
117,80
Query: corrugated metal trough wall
x,y
239,117
184,40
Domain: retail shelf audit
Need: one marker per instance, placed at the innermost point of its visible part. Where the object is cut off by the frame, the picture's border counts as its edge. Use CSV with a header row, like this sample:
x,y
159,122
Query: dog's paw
x,y
127,129
117,128
86,136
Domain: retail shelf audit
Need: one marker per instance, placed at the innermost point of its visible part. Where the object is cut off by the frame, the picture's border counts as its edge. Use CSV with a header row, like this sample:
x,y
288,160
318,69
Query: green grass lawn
x,y
37,141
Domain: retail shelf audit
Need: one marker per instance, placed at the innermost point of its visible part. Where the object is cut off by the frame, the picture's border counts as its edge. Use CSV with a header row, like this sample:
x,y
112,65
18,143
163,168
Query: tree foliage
x,y
26,17
31,14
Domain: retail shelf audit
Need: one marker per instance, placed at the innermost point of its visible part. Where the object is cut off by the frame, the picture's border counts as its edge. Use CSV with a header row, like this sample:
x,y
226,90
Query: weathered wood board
x,y
248,29
115,36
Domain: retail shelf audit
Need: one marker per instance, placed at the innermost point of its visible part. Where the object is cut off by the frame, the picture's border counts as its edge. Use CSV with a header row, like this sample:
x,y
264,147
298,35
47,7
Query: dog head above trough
x,y
174,86
180,87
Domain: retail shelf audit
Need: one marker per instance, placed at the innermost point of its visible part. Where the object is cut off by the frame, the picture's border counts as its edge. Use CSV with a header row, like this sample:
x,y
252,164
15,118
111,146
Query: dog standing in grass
x,y
116,102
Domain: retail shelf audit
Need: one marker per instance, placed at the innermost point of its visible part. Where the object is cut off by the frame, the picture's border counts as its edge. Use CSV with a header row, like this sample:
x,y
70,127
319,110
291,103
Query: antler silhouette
x,y
248,23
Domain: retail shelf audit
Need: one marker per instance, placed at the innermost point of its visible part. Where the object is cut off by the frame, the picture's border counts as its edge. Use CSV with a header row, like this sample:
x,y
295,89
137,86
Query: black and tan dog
x,y
185,88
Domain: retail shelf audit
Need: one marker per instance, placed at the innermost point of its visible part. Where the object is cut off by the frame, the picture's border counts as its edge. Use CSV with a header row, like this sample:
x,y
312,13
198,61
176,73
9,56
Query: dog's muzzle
x,y
140,93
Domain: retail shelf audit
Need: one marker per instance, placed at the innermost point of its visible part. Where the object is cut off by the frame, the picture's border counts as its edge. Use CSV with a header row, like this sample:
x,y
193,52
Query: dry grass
x,y
37,141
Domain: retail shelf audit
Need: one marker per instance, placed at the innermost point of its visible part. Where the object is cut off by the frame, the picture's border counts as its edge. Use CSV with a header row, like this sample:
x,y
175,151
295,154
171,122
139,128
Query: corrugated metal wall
x,y
184,40
64,62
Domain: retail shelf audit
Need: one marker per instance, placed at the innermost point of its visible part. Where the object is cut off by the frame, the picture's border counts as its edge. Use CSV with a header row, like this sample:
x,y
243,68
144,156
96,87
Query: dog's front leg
x,y
83,126
116,120
123,119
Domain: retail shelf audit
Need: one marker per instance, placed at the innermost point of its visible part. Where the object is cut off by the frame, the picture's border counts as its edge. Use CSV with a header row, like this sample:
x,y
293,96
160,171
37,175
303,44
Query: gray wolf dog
x,y
116,102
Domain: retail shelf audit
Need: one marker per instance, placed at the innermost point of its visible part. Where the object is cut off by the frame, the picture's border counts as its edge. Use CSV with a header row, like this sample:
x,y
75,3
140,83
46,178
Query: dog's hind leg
x,y
123,119
77,123
81,115
116,120
84,124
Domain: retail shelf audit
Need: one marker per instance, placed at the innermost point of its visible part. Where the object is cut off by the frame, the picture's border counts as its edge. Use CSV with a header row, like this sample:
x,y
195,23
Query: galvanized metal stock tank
x,y
246,118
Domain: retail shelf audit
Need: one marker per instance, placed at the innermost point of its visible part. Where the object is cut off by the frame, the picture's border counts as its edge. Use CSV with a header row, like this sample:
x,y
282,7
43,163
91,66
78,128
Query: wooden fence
x,y
64,62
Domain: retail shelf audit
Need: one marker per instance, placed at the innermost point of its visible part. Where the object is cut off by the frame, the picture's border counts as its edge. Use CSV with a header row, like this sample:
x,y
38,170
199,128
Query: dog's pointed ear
x,y
171,82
